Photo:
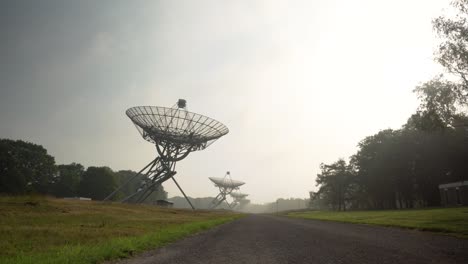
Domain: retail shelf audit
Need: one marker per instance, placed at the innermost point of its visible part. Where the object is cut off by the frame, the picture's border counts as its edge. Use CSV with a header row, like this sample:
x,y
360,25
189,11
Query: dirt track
x,y
269,239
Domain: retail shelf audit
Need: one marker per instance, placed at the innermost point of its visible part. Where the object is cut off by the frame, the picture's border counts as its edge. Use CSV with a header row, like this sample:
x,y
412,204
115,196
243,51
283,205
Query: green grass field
x,y
453,221
46,230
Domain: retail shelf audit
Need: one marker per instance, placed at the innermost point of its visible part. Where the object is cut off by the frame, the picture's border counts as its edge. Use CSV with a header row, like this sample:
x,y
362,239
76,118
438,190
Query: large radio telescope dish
x,y
175,132
176,126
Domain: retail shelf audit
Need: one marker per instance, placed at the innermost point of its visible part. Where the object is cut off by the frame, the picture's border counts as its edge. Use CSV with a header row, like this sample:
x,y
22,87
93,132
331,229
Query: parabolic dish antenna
x,y
226,182
175,126
238,195
225,185
175,132
238,198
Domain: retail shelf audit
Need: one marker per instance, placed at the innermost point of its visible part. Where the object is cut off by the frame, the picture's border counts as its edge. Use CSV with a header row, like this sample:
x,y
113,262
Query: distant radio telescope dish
x,y
239,195
238,198
175,132
226,186
226,182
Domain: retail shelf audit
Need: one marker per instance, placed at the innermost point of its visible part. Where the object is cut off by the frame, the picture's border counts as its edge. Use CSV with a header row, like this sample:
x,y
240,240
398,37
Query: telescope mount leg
x,y
182,191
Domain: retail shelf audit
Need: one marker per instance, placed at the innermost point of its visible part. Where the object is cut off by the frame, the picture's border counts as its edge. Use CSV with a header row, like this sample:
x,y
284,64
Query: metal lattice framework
x,y
238,197
226,186
175,132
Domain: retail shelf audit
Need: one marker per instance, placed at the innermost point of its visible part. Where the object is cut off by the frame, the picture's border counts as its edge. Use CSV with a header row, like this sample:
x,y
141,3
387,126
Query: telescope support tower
x,y
176,133
226,186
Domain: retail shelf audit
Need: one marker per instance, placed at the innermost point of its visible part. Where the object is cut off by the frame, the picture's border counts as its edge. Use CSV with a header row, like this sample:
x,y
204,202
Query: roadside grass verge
x,y
453,221
46,230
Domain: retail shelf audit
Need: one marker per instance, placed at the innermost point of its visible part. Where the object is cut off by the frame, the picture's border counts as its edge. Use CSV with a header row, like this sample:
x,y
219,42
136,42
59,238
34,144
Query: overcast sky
x,y
296,82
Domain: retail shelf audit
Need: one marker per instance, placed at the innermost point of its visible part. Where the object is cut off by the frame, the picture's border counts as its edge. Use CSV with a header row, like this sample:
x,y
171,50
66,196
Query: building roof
x,y
453,184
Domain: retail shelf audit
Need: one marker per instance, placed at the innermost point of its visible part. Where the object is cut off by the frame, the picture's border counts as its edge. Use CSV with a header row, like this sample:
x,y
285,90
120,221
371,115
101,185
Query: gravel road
x,y
271,239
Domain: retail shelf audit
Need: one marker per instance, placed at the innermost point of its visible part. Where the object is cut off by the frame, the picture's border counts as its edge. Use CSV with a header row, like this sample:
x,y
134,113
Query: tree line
x,y
402,168
27,168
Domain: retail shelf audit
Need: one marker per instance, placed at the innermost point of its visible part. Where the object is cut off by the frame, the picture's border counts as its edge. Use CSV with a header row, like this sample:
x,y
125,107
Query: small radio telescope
x,y
225,185
237,197
175,132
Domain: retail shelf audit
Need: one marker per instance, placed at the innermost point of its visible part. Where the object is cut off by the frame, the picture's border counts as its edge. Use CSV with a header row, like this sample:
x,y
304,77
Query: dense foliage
x,y
67,180
27,168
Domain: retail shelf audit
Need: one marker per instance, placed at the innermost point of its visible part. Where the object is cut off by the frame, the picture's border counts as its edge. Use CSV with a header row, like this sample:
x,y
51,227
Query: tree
x,y
335,181
122,177
453,50
67,181
377,164
25,167
399,168
438,107
439,148
97,183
